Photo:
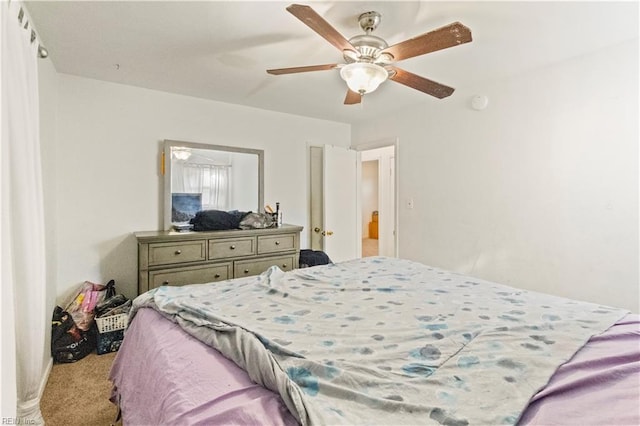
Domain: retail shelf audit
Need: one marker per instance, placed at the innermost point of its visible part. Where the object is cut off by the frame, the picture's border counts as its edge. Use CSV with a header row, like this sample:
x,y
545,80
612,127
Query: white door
x,y
387,241
341,219
316,241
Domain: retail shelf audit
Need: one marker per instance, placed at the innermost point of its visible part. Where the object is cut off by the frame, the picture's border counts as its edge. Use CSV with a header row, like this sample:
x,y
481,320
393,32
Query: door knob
x,y
327,233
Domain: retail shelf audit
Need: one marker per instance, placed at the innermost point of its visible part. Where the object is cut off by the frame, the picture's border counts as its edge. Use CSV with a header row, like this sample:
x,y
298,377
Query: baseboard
x,y
45,378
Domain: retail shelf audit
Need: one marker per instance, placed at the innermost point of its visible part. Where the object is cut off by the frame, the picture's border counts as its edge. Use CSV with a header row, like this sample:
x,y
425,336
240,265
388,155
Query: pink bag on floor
x,y
82,306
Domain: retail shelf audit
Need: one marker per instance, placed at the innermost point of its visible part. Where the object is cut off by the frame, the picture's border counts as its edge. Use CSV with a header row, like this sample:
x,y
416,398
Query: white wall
x,y
108,145
538,191
48,97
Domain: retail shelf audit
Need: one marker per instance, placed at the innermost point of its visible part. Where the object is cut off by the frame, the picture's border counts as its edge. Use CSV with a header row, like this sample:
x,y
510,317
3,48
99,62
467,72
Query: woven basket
x,y
112,323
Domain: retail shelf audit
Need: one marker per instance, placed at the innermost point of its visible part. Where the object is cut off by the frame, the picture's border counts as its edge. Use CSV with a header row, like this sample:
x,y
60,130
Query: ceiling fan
x,y
369,59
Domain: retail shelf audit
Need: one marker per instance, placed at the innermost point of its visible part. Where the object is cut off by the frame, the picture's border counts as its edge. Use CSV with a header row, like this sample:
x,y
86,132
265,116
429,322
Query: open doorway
x,y
375,211
378,200
370,210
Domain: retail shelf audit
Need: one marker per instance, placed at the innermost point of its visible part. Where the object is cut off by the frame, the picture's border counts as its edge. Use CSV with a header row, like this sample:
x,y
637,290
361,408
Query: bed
x,y
374,341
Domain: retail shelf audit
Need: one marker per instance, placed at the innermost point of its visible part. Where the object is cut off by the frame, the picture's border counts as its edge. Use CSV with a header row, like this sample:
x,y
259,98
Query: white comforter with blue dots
x,y
387,341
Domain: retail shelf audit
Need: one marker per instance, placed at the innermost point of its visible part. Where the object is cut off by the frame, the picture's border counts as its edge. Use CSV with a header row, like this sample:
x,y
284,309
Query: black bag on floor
x,y
68,342
313,258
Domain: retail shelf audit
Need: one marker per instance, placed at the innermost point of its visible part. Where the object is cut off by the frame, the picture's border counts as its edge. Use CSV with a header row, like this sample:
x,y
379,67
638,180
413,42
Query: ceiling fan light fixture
x,y
363,77
370,60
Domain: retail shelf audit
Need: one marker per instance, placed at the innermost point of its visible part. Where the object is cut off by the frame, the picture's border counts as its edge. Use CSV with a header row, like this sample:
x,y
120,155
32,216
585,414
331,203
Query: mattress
x,y
165,375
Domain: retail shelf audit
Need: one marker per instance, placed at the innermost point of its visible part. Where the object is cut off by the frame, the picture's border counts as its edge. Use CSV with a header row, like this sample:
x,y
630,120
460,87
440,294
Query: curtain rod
x,y
42,51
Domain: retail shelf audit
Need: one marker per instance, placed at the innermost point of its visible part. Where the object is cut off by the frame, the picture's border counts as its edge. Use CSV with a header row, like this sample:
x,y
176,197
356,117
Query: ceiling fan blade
x,y
442,38
420,83
293,70
317,23
352,98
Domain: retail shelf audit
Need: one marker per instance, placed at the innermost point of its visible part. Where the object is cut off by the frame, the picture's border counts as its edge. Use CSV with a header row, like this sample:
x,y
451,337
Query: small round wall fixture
x,y
479,102
42,52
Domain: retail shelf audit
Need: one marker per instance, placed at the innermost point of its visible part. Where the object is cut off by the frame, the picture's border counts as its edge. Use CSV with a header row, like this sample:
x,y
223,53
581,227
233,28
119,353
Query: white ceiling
x,y
220,50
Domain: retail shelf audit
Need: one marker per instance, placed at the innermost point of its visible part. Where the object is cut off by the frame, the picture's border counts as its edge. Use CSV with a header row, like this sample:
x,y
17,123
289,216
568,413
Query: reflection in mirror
x,y
210,177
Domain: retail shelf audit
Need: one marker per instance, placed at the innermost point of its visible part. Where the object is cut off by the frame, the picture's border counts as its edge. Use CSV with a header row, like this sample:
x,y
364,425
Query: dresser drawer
x,y
246,268
232,247
190,275
176,252
173,258
276,243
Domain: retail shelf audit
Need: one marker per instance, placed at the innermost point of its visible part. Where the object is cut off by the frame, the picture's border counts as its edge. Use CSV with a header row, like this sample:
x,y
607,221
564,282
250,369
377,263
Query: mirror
x,y
210,177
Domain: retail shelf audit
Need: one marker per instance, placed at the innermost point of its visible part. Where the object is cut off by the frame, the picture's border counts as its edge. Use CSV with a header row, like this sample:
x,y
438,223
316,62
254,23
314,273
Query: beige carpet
x,y
78,393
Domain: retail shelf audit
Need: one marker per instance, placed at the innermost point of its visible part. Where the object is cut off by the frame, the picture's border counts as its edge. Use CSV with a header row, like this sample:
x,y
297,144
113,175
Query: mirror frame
x,y
166,161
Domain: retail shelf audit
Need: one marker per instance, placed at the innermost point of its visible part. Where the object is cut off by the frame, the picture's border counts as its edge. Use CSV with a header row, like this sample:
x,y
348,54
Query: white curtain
x,y
215,191
192,178
211,181
25,321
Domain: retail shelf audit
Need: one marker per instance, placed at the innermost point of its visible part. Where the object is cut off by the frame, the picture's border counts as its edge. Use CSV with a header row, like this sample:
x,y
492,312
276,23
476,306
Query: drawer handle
x,y
277,243
216,276
232,247
246,271
165,283
284,265
178,252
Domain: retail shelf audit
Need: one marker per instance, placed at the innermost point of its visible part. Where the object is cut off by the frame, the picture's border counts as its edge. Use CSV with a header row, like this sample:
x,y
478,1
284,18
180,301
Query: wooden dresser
x,y
179,258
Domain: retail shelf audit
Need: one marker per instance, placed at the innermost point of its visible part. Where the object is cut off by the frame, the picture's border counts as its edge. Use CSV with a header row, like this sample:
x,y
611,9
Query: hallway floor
x,y
369,247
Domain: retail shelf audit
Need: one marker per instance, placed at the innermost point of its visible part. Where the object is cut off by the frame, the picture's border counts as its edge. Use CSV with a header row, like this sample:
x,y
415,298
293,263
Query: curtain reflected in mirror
x,y
210,181
210,177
